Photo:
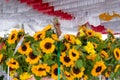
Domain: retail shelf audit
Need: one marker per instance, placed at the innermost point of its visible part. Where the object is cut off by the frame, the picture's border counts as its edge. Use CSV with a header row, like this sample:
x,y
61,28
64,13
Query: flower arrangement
x,y
85,56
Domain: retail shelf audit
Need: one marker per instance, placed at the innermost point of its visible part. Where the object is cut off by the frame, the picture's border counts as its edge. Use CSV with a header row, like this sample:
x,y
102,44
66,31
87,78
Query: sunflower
x,y
98,68
12,37
39,35
66,60
97,34
107,74
54,74
25,49
95,45
77,72
1,57
68,76
12,63
117,53
67,46
40,70
70,38
32,58
74,54
117,67
13,73
54,36
91,56
15,79
48,27
47,45
90,32
25,76
104,54
20,34
85,77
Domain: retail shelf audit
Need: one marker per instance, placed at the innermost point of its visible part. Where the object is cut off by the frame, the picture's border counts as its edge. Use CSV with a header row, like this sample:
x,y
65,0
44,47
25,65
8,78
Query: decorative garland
x,y
85,56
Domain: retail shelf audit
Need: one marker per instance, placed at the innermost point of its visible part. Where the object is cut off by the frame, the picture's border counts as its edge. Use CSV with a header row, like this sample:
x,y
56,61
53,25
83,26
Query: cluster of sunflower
x,y
85,56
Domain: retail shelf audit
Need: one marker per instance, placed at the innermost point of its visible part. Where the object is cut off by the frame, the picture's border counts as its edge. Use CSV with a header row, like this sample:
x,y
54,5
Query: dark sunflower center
x,y
66,59
24,48
117,54
13,36
76,70
48,45
67,75
64,49
56,71
73,54
102,54
89,33
68,37
41,69
32,56
13,62
20,35
98,69
38,36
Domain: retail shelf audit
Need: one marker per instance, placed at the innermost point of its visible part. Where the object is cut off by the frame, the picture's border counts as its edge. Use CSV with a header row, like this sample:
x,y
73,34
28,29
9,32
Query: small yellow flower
x,y
25,76
89,48
78,42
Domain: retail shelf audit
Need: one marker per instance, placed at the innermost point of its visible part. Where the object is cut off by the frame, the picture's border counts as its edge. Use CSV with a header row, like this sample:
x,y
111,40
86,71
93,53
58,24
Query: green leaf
x,y
79,63
37,78
49,33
